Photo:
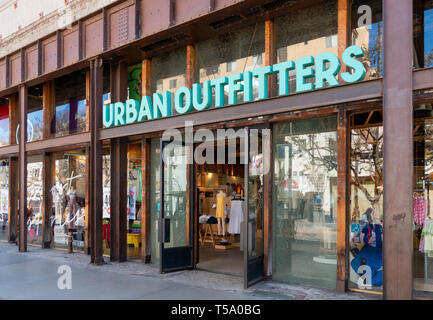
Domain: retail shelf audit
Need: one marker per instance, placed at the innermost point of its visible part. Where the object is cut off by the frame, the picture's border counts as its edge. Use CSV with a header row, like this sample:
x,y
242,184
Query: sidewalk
x,y
33,275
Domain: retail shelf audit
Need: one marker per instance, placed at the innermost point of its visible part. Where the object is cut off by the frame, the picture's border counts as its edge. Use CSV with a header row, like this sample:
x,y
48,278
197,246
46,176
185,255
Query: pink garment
x,y
419,210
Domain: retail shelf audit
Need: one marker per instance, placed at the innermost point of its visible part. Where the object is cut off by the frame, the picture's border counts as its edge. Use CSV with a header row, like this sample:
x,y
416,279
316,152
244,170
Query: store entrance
x,y
212,209
220,191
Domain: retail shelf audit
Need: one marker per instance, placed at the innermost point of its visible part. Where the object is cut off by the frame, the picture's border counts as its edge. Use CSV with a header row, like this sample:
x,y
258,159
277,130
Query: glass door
x,y
176,221
254,206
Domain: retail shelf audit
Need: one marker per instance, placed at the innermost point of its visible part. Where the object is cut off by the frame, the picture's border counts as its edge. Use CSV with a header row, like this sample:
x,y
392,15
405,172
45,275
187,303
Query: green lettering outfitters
x,y
324,68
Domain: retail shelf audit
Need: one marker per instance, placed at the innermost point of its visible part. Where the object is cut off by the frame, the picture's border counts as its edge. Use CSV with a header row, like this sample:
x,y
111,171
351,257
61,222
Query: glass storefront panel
x,y
35,118
369,36
169,72
155,198
70,101
4,125
306,32
366,205
34,199
422,203
305,202
4,198
134,201
106,217
234,52
69,199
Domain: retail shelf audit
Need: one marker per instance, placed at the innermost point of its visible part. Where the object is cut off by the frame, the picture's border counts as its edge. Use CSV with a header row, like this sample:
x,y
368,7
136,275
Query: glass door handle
x,y
164,230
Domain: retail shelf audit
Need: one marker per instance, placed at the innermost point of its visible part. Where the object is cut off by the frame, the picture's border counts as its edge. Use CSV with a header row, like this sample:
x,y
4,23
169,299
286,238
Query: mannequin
x,y
220,208
73,207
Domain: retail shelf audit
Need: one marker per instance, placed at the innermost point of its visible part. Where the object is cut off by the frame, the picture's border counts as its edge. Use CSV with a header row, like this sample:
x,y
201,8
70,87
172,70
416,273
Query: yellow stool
x,y
134,238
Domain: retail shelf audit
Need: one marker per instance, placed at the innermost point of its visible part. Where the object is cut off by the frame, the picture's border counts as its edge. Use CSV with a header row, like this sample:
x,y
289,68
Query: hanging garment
x,y
427,235
236,216
220,205
419,210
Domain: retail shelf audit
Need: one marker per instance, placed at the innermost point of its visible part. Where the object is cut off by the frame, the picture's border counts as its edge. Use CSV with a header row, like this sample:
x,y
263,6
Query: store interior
x,y
220,205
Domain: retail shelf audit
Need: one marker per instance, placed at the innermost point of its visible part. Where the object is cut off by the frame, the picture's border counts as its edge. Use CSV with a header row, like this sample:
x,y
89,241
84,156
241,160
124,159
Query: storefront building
x,y
325,180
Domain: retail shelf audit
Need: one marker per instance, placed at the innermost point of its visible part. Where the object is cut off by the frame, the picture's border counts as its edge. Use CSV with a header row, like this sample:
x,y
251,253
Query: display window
x,y
305,202
134,202
34,200
4,124
422,200
4,198
366,205
70,105
106,212
35,117
69,199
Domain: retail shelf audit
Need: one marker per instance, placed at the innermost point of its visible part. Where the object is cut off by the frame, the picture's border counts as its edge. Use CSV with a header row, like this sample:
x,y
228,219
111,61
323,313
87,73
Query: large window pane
x,y
35,118
369,36
366,210
4,124
305,202
69,199
306,32
34,200
234,52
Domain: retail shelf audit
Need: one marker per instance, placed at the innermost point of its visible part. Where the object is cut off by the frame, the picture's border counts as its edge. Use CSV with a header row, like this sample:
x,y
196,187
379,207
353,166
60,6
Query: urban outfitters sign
x,y
324,68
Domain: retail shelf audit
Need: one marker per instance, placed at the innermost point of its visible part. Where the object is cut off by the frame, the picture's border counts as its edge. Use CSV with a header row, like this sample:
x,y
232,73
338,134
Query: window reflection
x,y
34,200
305,202
4,198
4,124
366,209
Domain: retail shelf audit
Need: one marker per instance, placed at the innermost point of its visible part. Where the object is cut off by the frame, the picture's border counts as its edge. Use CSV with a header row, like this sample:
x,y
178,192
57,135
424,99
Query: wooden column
x,y
270,55
190,65
146,77
398,150
96,189
344,29
48,108
49,171
119,171
343,163
22,169
13,200
118,199
13,118
145,201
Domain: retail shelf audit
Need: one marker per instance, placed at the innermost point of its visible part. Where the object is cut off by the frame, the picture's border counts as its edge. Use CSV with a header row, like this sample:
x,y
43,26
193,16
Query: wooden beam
x,y
145,201
49,171
88,97
23,169
48,109
190,65
13,200
344,29
398,153
343,199
146,77
270,56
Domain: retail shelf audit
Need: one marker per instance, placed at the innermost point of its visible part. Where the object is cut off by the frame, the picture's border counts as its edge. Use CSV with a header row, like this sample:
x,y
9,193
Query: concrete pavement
x,y
33,275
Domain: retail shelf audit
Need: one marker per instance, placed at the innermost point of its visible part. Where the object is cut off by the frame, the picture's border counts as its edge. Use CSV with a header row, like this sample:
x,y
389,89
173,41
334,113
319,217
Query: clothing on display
x,y
220,212
236,216
419,210
72,207
427,238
